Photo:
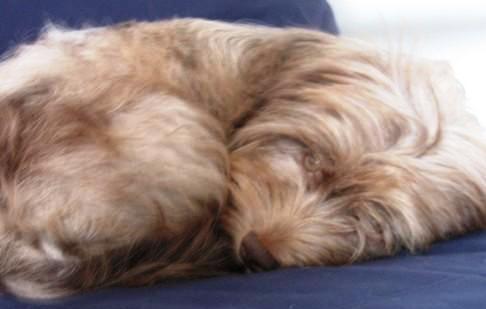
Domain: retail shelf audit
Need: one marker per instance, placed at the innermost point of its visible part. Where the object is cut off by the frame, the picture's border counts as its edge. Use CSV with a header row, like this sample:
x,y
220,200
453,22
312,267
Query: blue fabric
x,y
451,275
20,20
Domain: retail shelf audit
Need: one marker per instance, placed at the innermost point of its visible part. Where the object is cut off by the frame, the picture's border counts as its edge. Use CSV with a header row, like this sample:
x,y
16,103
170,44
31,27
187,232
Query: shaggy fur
x,y
355,154
121,145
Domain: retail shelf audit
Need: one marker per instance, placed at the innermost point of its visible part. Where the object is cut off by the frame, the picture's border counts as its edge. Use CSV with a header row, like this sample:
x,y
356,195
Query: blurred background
x,y
451,30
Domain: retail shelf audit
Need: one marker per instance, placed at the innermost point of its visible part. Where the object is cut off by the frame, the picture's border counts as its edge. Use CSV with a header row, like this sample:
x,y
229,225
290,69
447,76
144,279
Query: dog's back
x,y
105,176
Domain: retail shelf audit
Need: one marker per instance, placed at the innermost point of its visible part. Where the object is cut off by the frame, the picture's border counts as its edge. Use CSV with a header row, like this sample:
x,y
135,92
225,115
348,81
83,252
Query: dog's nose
x,y
254,254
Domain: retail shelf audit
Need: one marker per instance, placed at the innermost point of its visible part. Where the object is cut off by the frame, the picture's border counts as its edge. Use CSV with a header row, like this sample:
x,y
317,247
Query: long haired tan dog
x,y
120,146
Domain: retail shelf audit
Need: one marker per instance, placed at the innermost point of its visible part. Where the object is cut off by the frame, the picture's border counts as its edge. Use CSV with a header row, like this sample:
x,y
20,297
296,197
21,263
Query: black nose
x,y
254,254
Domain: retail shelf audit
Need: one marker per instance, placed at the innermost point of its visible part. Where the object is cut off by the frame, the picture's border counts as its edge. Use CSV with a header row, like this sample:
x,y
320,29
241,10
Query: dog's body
x,y
120,146
110,142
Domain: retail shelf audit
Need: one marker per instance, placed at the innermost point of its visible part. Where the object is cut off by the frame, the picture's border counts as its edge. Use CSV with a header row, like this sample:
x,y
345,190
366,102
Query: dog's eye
x,y
312,162
319,168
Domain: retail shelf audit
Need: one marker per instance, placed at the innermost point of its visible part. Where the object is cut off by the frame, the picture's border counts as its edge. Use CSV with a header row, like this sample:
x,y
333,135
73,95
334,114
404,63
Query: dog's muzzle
x,y
254,254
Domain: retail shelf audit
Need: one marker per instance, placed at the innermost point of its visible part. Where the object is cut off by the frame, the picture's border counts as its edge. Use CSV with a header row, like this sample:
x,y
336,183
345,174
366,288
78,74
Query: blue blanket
x,y
451,275
20,20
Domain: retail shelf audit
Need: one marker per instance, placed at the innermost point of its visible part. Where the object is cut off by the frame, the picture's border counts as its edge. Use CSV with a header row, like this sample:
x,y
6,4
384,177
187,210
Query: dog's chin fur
x,y
121,145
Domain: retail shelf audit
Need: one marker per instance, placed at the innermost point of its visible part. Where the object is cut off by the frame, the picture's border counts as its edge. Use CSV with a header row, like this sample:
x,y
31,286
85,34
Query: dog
x,y
142,152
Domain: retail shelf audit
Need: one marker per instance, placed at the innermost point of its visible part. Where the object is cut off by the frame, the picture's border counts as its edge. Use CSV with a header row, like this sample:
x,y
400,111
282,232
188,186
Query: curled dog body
x,y
128,154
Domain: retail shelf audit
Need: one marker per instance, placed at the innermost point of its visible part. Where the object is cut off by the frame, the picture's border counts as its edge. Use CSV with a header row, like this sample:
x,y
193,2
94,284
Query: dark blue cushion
x,y
20,20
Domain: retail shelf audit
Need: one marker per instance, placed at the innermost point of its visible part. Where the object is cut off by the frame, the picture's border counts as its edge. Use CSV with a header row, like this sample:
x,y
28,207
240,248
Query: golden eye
x,y
312,162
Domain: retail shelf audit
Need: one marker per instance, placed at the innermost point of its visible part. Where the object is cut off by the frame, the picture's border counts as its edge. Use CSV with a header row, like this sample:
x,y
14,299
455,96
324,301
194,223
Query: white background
x,y
454,31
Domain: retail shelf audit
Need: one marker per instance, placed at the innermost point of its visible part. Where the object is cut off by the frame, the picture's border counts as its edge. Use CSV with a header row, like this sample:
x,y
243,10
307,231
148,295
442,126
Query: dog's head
x,y
348,159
